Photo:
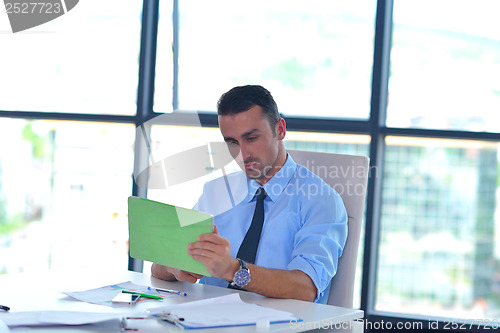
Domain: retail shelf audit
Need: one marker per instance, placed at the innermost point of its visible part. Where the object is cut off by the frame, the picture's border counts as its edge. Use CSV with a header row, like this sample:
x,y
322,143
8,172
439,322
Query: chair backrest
x,y
348,175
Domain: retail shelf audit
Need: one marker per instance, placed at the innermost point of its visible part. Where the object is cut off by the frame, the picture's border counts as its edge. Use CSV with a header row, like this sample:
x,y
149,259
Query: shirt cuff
x,y
315,270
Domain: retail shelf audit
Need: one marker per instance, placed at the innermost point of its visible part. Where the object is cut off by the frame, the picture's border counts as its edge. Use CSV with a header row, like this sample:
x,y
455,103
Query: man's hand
x,y
172,274
214,251
185,276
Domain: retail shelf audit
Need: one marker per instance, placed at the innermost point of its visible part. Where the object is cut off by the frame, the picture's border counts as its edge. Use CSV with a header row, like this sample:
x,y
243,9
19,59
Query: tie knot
x,y
260,194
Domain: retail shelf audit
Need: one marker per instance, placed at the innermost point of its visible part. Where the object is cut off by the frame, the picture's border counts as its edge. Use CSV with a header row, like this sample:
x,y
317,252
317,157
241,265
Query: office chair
x,y
348,175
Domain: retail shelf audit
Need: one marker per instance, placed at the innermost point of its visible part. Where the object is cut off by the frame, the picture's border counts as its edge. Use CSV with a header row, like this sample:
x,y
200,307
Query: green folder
x,y
161,233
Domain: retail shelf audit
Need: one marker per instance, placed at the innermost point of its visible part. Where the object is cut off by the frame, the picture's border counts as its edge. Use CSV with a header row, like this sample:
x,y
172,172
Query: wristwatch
x,y
242,275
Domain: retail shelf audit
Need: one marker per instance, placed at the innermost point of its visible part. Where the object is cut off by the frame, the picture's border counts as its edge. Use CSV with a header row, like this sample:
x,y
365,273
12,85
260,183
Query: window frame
x,y
375,127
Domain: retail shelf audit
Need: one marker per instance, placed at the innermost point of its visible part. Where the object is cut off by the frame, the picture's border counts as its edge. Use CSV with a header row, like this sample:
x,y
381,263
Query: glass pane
x,y
164,77
63,195
329,143
440,248
188,137
445,65
83,62
316,60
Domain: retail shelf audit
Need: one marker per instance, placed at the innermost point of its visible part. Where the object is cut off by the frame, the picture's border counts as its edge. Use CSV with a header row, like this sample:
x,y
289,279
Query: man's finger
x,y
212,238
197,276
208,246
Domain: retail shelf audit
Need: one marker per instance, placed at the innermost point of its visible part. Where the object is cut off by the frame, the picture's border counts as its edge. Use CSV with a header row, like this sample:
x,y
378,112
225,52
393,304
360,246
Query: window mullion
x,y
380,77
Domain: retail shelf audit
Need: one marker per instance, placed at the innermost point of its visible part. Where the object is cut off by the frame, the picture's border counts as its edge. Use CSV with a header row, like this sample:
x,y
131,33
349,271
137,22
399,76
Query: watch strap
x,y
243,266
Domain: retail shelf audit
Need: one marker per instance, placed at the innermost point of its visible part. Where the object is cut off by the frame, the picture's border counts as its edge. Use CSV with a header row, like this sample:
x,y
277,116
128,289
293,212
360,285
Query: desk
x,y
42,291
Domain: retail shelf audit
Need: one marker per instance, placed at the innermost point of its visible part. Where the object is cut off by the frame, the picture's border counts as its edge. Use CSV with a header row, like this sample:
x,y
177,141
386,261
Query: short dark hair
x,y
242,98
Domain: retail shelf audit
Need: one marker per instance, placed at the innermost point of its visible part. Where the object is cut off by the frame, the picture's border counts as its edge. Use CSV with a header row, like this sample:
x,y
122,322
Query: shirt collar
x,y
276,185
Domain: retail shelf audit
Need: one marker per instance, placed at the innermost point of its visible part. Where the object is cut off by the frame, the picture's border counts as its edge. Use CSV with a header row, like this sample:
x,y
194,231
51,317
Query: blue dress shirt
x,y
305,225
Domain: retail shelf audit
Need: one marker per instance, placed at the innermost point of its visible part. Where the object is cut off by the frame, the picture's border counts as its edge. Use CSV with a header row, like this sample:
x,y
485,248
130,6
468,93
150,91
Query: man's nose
x,y
236,153
244,152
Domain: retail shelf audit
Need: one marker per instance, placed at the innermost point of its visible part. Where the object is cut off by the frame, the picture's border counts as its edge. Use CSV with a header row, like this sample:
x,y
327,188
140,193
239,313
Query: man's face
x,y
252,142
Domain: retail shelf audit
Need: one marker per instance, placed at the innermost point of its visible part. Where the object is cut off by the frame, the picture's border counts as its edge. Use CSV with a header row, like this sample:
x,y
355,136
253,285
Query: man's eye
x,y
252,138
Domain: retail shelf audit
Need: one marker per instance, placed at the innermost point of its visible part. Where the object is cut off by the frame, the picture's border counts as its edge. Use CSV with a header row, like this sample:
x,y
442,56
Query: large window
x,y
445,65
439,225
63,193
412,84
82,62
440,241
64,184
316,59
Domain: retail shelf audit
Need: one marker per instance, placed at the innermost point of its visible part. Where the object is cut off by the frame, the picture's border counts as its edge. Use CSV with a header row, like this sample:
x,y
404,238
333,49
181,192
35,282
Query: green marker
x,y
142,295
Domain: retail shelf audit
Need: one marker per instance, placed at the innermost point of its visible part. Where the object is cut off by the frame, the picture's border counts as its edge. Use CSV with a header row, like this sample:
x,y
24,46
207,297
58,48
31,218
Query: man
x,y
305,222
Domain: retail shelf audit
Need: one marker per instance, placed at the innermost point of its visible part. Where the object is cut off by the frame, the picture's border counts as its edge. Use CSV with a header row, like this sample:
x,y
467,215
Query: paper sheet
x,y
51,318
160,233
105,295
3,327
227,310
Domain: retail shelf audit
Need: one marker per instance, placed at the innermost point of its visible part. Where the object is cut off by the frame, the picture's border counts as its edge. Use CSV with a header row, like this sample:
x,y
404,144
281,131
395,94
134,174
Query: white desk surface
x,y
43,291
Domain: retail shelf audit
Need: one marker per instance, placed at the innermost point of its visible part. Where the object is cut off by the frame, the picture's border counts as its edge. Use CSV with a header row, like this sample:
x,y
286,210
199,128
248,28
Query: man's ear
x,y
281,129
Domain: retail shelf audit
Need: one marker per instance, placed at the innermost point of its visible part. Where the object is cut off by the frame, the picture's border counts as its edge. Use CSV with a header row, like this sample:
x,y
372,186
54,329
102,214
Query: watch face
x,y
242,277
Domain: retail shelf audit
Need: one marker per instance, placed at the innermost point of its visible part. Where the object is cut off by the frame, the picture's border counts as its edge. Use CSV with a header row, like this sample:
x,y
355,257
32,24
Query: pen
x,y
172,319
4,308
170,291
141,294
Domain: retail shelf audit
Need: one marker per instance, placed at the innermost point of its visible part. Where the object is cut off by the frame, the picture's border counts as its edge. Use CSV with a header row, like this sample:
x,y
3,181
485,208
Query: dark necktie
x,y
248,248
